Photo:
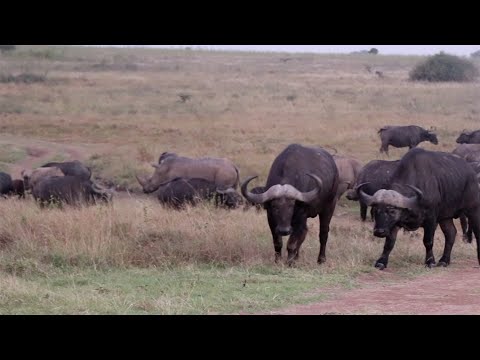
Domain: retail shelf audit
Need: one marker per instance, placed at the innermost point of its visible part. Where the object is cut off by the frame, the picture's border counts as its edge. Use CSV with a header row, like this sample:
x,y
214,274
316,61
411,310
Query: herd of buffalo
x,y
422,189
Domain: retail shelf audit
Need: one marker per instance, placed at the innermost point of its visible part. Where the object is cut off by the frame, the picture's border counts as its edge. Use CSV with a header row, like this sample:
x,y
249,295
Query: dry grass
x,y
118,109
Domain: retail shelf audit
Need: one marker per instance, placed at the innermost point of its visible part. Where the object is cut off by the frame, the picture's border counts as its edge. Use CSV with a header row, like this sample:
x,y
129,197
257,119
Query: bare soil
x,y
454,290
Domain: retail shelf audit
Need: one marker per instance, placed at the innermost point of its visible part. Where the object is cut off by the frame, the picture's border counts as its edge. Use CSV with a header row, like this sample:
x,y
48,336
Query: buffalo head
x,y
432,137
279,201
391,209
464,137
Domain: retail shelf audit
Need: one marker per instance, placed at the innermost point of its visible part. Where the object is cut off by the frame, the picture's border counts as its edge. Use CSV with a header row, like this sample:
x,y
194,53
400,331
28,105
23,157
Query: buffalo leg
x,y
466,231
277,239
384,148
450,232
296,240
428,233
382,262
325,219
474,225
363,210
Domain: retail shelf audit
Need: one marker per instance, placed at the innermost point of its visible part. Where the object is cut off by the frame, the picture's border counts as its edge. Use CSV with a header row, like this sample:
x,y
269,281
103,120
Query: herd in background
x,y
422,189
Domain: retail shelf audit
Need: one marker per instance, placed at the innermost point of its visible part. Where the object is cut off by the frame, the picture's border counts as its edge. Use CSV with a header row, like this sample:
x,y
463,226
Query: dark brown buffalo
x,y
6,186
375,176
472,137
403,136
426,189
302,183
70,190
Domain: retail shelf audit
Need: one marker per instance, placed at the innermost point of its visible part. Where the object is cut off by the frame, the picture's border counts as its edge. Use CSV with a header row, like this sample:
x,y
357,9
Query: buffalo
x,y
222,172
72,168
302,183
348,171
426,189
6,186
70,190
179,192
403,136
472,137
375,176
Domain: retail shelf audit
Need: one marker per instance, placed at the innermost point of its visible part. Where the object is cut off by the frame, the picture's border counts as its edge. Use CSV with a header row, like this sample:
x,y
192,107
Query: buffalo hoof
x,y
380,266
442,264
467,239
430,265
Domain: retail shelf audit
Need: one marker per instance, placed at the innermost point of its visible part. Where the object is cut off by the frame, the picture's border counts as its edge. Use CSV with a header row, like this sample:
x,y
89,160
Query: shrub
x,y
444,67
26,78
373,51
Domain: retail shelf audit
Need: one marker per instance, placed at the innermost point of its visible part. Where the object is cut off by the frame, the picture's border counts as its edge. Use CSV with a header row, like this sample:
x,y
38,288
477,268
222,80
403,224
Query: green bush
x,y
444,67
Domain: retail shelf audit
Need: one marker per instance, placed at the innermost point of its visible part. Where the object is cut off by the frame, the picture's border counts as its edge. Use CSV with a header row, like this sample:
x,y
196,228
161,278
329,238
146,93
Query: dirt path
x,y
453,290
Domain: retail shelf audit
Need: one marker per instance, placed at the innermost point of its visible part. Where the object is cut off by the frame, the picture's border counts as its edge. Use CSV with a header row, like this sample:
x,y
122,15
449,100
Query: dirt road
x,y
452,290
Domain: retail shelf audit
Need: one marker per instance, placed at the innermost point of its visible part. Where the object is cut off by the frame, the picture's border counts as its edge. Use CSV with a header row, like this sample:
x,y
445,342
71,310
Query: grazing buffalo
x,y
375,176
472,137
6,186
228,198
222,172
463,150
426,189
179,192
403,136
18,188
348,171
302,183
249,204
33,177
72,168
70,190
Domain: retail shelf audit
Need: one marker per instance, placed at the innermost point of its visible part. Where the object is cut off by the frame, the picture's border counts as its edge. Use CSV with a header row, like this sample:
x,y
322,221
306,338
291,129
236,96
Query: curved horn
x,y
367,199
418,192
254,198
156,166
308,197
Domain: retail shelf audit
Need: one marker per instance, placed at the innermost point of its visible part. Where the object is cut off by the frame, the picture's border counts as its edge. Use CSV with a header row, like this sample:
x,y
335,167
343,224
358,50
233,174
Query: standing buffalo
x,y
222,172
403,136
70,190
6,186
72,168
375,176
472,137
180,192
348,171
302,183
427,188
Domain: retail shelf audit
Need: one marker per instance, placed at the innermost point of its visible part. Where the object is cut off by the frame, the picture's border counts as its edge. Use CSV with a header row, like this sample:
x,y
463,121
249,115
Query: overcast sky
x,y
383,49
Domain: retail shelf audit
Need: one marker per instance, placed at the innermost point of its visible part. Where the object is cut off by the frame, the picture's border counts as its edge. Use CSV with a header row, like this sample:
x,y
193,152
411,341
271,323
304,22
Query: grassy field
x,y
119,109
